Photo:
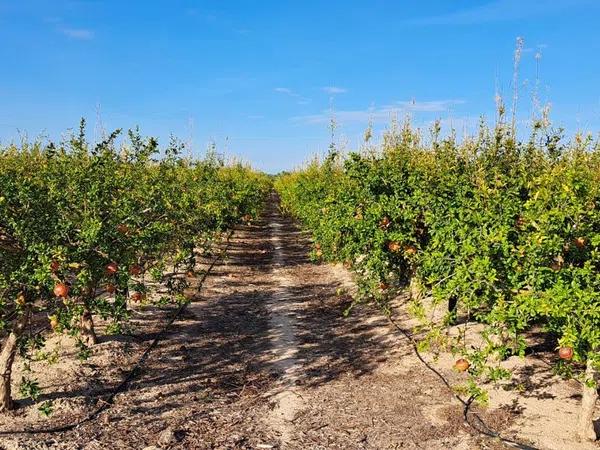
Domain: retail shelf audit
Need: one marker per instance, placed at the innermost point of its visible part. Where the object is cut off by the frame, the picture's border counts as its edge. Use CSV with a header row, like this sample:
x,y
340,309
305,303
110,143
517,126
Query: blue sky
x,y
260,78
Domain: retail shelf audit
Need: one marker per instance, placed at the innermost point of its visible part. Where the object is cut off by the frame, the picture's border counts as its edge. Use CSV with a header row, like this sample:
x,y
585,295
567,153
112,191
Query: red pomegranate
x,y
61,290
462,365
565,353
112,268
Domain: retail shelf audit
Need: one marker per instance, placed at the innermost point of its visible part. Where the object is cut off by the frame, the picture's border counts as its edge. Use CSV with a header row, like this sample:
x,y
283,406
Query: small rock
x,y
237,439
169,437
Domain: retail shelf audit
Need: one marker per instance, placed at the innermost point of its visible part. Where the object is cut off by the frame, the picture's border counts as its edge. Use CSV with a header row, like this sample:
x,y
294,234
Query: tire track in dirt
x,y
287,402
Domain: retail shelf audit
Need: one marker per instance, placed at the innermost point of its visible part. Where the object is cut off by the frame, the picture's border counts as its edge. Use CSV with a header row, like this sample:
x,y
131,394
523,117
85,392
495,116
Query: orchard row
x,y
491,230
84,229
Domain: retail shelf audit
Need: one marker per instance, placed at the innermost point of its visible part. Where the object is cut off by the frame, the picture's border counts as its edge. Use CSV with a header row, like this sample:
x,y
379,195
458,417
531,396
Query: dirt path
x,y
263,358
282,324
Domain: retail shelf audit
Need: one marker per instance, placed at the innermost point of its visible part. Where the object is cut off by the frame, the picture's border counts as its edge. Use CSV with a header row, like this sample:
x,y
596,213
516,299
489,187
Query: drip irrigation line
x,y
106,403
481,427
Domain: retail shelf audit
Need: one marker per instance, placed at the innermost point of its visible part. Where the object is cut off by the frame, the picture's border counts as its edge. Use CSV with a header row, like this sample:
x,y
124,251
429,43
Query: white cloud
x,y
332,90
289,92
81,34
538,48
379,114
468,123
428,106
348,116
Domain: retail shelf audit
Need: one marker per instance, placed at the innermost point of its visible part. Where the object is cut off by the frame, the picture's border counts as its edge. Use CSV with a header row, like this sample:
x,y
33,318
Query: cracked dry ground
x,y
264,358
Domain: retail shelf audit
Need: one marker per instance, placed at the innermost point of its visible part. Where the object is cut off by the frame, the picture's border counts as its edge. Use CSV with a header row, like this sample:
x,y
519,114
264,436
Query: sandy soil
x,y
264,358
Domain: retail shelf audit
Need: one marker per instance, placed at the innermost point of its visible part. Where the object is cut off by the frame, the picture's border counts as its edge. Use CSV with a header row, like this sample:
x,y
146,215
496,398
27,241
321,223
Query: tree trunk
x,y
7,357
415,288
588,402
88,334
452,309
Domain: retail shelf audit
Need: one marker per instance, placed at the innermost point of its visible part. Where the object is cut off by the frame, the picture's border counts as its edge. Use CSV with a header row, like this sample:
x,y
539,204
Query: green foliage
x,y
497,231
101,221
46,408
83,351
29,388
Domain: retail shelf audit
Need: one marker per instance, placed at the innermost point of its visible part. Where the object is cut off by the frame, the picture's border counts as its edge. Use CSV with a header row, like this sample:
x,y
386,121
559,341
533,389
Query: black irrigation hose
x,y
481,426
134,372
